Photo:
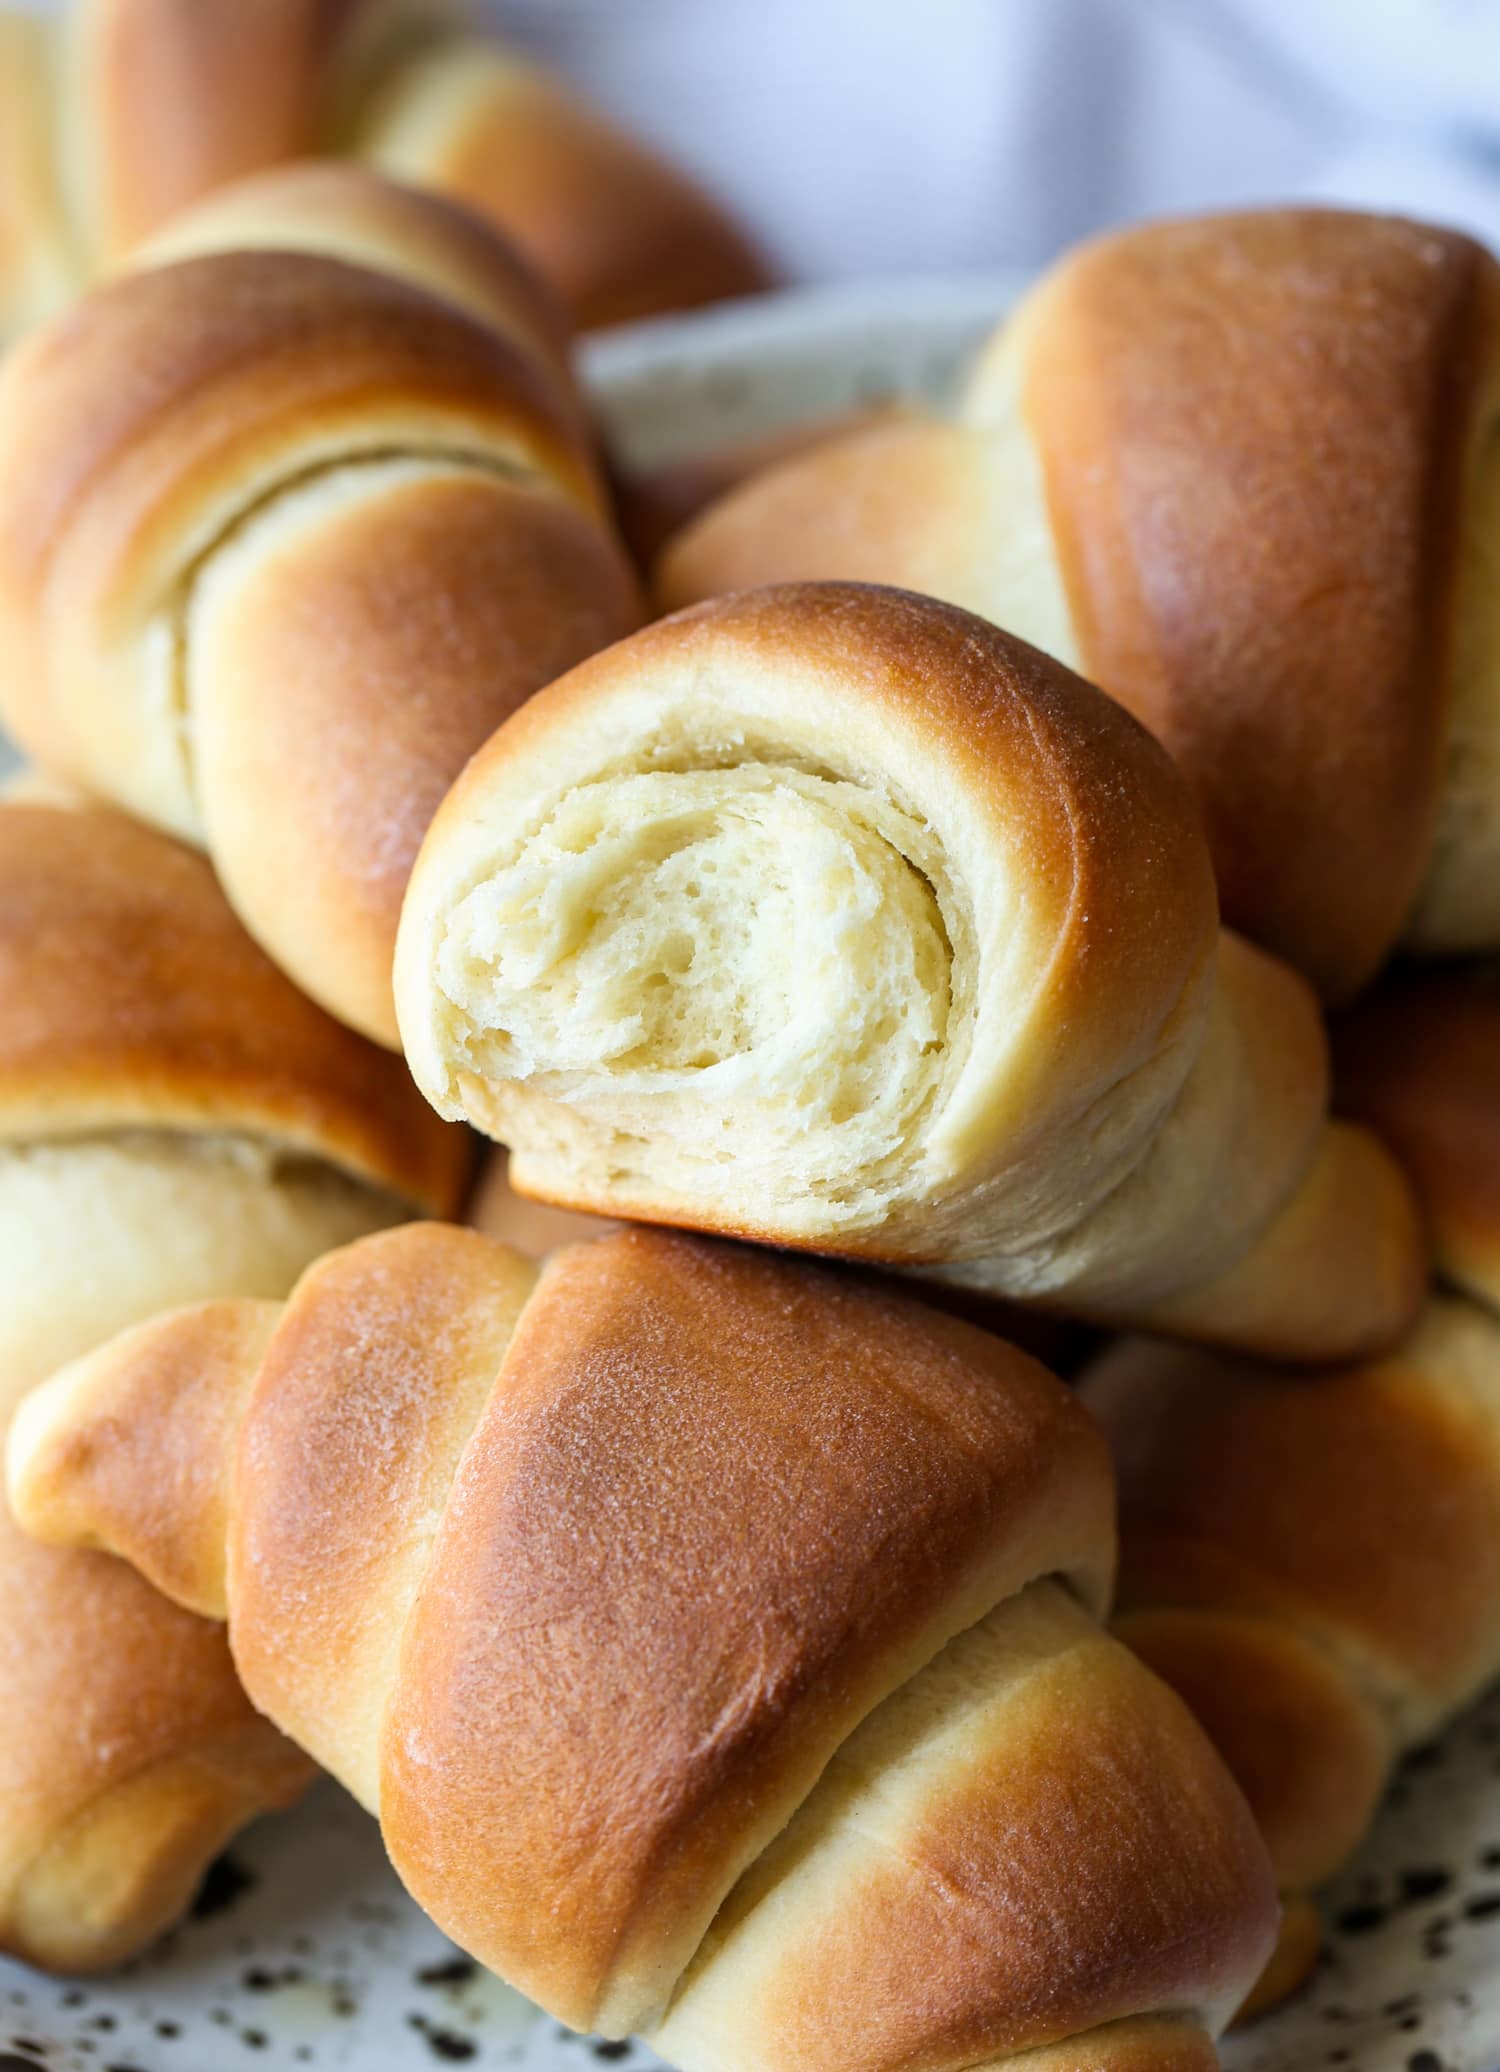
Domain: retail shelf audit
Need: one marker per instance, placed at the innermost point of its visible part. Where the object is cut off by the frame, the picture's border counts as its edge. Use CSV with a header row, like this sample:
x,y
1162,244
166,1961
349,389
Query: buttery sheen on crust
x,y
1243,472
284,537
715,1636
833,916
176,1122
1262,1576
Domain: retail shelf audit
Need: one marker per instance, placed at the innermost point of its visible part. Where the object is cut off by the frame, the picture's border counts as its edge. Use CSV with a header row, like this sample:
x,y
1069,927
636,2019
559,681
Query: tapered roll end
x,y
129,1450
1340,1274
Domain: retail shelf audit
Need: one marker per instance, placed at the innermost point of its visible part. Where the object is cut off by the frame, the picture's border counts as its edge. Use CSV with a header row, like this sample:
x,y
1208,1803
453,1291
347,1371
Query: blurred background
x,y
862,137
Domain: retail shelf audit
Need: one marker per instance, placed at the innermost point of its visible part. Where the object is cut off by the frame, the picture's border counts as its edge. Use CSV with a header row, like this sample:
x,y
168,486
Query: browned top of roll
x,y
178,96
346,212
1361,1504
1420,1060
620,232
131,997
1253,430
717,1505
172,398
109,1687
1311,1754
371,1386
220,358
1048,1879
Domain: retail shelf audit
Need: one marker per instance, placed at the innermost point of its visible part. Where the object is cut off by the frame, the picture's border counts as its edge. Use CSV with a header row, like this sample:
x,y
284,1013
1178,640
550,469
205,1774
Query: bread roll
x,y
715,1638
833,917
656,502
337,211
620,233
1420,1060
282,539
1244,472
176,1123
135,109
1311,1561
164,100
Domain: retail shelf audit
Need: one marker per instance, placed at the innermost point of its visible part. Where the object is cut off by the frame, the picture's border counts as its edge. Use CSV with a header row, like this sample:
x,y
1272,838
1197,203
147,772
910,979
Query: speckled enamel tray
x,y
303,1950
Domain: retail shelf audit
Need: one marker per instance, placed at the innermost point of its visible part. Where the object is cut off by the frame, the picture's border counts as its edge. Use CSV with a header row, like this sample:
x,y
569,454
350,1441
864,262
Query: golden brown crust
x,y
175,1119
129,1755
1254,432
619,232
295,566
344,212
849,1634
131,998
864,1479
229,89
144,1467
1420,1060
1291,1963
1305,1559
168,100
166,382
1132,1120
1340,1273
381,1365
670,510
983,1915
907,502
1308,1750
1225,1505
320,764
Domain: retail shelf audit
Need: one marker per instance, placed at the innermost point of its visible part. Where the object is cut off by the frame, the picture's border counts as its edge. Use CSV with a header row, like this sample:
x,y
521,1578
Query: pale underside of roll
x,y
832,917
900,1801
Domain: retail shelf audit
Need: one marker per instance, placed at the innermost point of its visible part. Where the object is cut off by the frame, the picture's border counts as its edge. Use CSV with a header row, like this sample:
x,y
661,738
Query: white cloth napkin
x,y
868,136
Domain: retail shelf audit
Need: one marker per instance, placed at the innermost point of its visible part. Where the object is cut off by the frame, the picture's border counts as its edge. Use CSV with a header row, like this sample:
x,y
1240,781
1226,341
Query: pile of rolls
x,y
115,115
919,946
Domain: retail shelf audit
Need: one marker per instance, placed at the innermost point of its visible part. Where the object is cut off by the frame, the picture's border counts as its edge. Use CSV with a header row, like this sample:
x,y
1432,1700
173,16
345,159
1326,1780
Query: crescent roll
x,y
118,114
287,526
1243,472
836,918
716,1638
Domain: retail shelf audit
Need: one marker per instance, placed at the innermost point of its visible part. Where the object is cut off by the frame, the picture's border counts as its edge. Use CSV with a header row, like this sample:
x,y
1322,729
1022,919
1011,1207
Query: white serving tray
x,y
305,1951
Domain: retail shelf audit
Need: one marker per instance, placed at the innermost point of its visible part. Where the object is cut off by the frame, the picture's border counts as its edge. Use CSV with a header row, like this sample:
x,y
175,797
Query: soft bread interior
x,y
758,979
97,1232
718,953
763,940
